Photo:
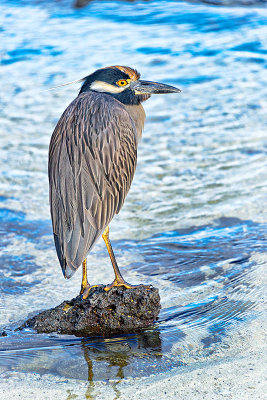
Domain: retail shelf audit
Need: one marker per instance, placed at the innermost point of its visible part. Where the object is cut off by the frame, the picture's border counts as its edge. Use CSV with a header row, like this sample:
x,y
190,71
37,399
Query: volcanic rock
x,y
119,310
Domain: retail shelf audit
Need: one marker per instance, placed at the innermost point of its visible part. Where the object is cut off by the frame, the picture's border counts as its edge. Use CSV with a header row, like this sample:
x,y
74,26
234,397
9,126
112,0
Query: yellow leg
x,y
118,281
85,287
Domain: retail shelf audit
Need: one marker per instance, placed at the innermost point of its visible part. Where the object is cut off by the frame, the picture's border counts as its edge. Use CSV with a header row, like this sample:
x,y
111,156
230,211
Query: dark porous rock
x,y
119,310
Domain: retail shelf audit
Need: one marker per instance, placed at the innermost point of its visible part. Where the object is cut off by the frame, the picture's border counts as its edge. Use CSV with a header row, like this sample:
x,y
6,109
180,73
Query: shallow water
x,y
194,222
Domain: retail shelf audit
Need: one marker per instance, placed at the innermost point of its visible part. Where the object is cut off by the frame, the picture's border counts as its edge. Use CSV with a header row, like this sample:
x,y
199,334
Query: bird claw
x,y
127,285
84,293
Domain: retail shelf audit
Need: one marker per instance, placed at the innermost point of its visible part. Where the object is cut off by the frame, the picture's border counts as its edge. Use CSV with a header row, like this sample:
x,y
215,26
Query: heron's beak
x,y
146,87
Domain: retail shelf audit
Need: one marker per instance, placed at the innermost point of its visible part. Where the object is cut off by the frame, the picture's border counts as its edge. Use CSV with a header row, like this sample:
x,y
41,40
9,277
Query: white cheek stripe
x,y
99,86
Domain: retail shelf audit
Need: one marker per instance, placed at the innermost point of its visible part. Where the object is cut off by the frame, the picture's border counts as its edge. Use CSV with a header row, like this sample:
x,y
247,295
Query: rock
x,y
119,310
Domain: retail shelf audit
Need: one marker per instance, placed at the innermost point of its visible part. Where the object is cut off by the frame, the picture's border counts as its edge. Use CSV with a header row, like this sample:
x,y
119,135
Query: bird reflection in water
x,y
115,355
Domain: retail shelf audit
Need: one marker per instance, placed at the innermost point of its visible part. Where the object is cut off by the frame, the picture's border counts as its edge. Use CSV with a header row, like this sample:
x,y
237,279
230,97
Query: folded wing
x,y
92,160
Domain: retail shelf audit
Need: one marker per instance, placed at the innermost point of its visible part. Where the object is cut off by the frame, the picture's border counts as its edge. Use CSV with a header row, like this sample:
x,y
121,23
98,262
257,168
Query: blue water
x,y
194,222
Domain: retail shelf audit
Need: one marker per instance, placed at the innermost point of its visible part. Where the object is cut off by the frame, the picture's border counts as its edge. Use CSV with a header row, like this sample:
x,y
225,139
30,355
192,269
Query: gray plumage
x,y
92,160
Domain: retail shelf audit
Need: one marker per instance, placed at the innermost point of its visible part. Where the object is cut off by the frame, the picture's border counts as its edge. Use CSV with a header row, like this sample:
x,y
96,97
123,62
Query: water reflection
x,y
91,359
116,356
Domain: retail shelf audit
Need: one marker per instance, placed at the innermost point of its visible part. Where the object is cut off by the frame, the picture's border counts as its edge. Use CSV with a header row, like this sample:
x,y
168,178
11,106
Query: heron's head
x,y
124,84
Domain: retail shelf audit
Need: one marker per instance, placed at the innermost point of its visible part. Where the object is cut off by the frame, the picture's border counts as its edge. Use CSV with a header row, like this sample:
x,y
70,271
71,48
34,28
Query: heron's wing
x,y
92,160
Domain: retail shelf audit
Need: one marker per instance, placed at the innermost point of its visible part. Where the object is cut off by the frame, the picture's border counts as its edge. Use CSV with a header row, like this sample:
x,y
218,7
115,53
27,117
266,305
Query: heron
x,y
92,161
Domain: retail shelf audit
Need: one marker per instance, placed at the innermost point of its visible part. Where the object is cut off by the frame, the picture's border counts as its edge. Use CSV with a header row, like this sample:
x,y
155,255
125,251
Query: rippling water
x,y
194,222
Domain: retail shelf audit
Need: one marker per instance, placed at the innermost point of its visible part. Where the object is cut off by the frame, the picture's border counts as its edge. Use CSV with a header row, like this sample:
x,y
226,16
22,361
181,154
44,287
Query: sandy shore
x,y
242,379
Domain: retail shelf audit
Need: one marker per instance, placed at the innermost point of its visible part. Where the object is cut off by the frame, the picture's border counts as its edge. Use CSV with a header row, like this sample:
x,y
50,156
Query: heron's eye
x,y
122,82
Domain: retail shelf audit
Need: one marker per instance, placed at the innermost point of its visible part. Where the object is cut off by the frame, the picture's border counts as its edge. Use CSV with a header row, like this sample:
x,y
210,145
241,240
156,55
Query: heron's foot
x,y
122,282
85,290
